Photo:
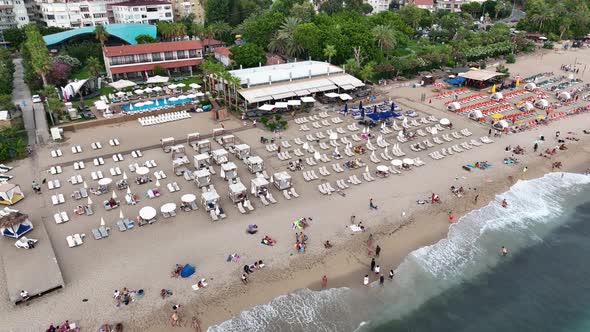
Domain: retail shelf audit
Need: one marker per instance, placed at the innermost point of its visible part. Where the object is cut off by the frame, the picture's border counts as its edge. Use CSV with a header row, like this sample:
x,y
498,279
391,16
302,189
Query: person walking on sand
x,y
324,281
381,280
524,170
366,280
377,269
371,205
535,147
451,217
244,279
377,251
373,264
475,199
504,251
391,274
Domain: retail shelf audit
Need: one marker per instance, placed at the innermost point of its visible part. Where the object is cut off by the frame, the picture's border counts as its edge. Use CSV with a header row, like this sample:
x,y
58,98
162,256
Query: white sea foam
x,y
472,246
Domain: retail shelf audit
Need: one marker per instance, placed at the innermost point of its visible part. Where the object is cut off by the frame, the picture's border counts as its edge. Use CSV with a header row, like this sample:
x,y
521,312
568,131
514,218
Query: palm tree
x,y
220,29
209,33
165,29
329,52
541,18
179,30
385,36
101,34
93,65
284,39
236,82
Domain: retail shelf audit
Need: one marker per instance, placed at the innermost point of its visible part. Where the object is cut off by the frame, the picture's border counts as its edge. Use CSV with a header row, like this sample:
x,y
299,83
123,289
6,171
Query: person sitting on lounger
x,y
79,210
268,241
202,283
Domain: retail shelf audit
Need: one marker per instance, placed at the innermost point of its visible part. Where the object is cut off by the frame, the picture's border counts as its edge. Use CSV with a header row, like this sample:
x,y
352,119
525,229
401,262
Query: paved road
x,y
33,114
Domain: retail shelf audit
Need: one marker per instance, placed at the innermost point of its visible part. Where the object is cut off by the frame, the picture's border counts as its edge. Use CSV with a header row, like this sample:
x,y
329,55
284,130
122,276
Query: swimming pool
x,y
159,102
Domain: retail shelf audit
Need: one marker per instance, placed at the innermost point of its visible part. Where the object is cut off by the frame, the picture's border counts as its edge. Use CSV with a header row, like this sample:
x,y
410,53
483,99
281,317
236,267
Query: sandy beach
x,y
143,258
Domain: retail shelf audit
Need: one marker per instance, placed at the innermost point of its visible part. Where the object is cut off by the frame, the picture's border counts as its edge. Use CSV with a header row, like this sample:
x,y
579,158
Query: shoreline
x,y
352,262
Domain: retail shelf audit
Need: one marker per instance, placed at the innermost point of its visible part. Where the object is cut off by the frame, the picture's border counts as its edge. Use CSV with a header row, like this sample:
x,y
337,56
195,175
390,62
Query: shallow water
x,y
463,283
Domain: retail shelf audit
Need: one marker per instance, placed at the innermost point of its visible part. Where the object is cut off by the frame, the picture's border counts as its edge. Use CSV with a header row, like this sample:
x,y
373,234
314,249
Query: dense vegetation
x,y
383,45
13,142
559,19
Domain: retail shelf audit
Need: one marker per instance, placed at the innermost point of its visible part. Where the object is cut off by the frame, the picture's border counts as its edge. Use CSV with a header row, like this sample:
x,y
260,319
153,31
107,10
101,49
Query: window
x,y
169,55
51,17
143,58
180,55
168,14
192,53
156,57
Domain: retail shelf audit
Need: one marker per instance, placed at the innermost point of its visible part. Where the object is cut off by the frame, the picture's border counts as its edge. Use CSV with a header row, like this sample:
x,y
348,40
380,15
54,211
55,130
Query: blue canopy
x,y
456,81
18,230
187,271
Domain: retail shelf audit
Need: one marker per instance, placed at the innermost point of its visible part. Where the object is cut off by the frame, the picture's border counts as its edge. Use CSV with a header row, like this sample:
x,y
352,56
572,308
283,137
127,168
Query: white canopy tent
x,y
255,164
308,99
10,194
530,86
122,84
282,180
542,103
157,79
72,89
266,107
345,96
475,115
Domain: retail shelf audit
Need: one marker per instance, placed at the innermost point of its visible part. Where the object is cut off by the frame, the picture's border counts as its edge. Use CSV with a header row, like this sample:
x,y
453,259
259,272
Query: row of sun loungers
x,y
55,170
159,175
118,157
76,149
173,187
61,217
74,241
458,148
284,155
163,118
79,165
114,142
271,147
96,175
96,145
309,175
136,154
115,171
125,224
98,161
288,193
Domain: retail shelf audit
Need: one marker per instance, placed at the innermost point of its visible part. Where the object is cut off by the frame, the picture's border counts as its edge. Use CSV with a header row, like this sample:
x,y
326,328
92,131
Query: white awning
x,y
332,95
266,107
345,96
157,79
281,105
303,92
283,95
307,99
294,102
122,84
327,87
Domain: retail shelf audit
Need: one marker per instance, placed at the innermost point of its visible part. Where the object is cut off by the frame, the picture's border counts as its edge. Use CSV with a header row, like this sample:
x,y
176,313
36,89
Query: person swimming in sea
x,y
504,251
504,203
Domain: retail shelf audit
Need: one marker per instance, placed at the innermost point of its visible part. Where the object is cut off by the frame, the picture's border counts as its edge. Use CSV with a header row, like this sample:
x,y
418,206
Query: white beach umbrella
x,y
172,86
194,85
85,185
181,85
102,223
130,107
89,201
367,169
129,190
119,93
124,176
386,149
138,91
157,183
148,90
199,94
317,155
121,214
272,179
114,195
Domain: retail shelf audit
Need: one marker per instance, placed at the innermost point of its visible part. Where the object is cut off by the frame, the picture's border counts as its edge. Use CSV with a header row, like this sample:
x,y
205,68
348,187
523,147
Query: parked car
x,y
36,99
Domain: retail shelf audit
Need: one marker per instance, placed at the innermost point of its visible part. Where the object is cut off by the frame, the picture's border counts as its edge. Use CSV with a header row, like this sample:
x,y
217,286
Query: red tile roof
x,y
150,66
274,59
423,2
223,51
210,42
111,51
141,3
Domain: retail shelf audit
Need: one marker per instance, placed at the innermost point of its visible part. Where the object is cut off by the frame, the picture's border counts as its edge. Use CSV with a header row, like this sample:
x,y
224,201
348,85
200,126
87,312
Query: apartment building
x,y
183,8
142,11
138,61
13,13
422,4
453,5
71,14
378,5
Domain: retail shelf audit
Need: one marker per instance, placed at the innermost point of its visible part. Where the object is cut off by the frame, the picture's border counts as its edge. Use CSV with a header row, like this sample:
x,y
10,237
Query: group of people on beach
x,y
251,268
65,327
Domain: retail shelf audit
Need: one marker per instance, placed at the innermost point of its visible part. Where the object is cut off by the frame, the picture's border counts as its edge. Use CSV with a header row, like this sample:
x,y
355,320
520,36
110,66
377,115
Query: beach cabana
x,y
203,146
201,160
229,171
122,84
497,96
542,104
227,141
237,192
192,138
202,177
454,106
501,125
528,106
530,86
259,186
255,164
475,115
220,156
282,180
15,224
210,200
10,194
167,143
564,96
242,151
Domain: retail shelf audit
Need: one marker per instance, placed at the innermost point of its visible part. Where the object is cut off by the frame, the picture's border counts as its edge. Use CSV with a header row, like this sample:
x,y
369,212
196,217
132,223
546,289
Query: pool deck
x,y
23,267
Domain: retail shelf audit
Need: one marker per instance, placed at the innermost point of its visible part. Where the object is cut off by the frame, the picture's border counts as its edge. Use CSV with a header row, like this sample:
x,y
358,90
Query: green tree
x,y
385,37
145,39
329,52
259,29
472,8
101,34
248,55
217,10
367,72
331,6
38,52
220,29
285,6
94,66
159,70
412,15
303,11
284,40
14,36
307,36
